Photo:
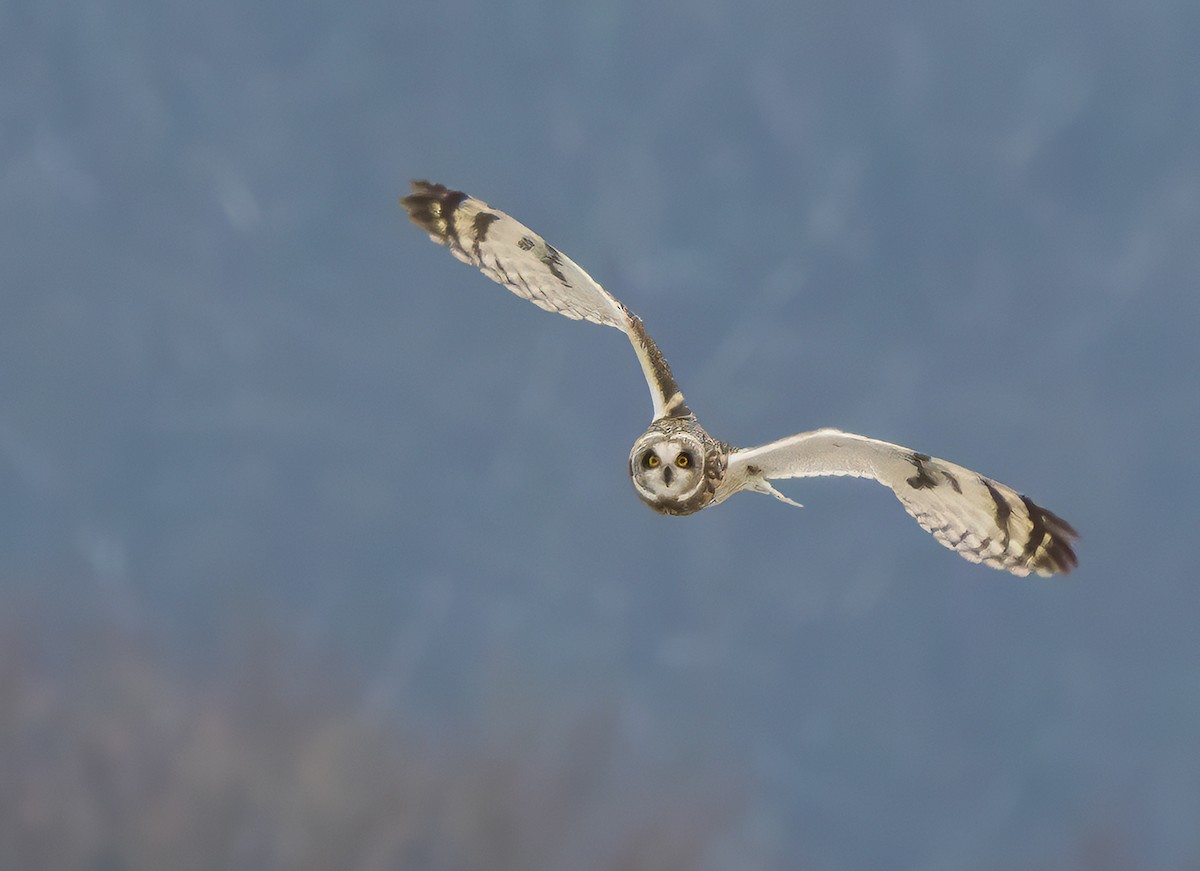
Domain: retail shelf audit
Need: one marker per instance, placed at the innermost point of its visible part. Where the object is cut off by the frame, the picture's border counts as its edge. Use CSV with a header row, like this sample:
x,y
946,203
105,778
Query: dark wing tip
x,y
1058,553
430,206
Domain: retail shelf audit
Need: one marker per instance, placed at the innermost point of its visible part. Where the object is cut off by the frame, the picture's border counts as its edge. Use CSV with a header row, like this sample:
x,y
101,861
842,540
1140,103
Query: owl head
x,y
668,471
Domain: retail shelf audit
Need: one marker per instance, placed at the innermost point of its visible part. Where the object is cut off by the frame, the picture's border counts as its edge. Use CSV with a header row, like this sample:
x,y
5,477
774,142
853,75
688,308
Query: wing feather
x,y
511,254
982,520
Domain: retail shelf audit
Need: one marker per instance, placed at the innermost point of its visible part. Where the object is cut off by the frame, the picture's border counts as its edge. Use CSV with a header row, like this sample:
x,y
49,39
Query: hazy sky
x,y
236,380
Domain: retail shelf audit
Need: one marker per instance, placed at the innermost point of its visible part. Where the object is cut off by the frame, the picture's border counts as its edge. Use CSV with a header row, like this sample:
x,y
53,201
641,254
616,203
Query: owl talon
x,y
766,488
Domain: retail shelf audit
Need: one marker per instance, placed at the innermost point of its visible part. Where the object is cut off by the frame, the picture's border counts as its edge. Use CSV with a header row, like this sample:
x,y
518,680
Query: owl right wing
x,y
982,520
511,254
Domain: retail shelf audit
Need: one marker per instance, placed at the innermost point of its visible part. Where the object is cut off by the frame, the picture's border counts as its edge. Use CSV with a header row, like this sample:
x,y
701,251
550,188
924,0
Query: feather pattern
x,y
982,520
511,254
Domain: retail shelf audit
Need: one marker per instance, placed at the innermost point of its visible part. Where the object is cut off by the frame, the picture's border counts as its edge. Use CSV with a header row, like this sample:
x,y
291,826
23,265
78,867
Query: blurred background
x,y
317,548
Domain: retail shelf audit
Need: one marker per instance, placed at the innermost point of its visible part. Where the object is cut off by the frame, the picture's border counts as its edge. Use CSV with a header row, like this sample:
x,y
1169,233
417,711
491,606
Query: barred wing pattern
x,y
982,520
511,254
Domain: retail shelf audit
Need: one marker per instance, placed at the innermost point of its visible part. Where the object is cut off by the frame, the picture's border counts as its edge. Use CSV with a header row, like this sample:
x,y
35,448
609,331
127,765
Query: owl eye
x,y
683,460
650,461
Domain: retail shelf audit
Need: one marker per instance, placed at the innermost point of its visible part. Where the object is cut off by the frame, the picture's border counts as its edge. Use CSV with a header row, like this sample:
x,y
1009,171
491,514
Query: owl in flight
x,y
678,468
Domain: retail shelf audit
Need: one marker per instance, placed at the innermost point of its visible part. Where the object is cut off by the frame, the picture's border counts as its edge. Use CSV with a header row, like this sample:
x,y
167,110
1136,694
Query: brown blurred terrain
x,y
114,760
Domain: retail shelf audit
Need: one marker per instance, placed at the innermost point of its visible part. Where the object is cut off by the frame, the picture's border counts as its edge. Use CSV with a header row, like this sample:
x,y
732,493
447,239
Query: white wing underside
x,y
982,520
511,254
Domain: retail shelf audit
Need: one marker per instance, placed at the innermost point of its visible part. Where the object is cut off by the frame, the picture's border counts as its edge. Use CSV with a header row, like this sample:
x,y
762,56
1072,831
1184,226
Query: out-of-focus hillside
x,y
112,758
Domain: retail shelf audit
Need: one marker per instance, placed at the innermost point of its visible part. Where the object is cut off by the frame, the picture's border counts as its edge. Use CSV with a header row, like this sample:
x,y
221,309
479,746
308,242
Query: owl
x,y
677,468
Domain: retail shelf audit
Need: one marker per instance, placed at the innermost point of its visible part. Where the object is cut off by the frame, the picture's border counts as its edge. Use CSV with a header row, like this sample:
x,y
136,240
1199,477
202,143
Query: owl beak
x,y
667,473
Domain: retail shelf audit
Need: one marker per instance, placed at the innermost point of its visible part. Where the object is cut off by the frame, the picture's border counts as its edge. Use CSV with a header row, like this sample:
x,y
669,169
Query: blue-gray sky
x,y
237,380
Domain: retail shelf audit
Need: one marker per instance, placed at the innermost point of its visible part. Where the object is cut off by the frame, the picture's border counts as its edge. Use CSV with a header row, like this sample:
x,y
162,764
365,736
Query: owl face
x,y
668,470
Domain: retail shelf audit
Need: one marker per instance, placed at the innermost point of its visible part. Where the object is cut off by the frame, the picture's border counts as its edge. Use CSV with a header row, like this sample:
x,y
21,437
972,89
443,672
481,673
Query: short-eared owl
x,y
678,468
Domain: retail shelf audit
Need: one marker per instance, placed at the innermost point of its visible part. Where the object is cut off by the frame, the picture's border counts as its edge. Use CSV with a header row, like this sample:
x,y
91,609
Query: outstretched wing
x,y
981,519
508,252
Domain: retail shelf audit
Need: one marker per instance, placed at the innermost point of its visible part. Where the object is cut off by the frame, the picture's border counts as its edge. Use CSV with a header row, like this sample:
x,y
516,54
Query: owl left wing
x,y
982,520
511,254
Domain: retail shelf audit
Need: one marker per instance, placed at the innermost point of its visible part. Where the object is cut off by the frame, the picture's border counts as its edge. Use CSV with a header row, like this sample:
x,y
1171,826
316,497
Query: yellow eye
x,y
683,460
651,461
